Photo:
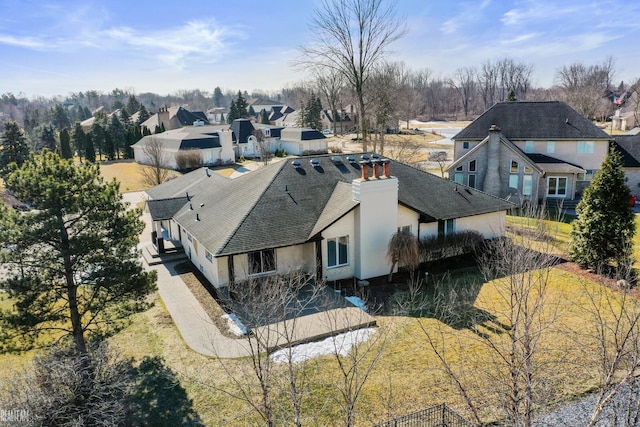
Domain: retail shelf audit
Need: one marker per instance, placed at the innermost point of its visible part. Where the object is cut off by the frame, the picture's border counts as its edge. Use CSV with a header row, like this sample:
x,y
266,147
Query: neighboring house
x,y
330,216
629,147
624,119
303,141
529,151
217,115
339,124
174,118
86,124
210,144
288,120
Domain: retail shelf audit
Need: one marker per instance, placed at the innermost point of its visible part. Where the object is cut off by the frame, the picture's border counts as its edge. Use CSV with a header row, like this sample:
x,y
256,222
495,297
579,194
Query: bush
x,y
335,149
464,242
188,159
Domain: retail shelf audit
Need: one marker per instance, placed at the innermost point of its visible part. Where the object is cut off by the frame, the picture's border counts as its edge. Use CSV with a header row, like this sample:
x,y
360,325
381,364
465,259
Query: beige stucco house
x,y
329,216
529,151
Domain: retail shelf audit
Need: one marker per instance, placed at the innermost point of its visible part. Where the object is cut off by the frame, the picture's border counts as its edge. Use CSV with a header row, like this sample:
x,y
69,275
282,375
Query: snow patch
x,y
357,302
340,344
235,325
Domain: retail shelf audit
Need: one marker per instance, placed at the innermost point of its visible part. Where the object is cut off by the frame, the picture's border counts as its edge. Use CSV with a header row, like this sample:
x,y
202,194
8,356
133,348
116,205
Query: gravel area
x,y
614,414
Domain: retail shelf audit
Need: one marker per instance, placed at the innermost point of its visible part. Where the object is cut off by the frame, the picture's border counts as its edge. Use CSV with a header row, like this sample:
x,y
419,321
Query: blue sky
x,y
57,47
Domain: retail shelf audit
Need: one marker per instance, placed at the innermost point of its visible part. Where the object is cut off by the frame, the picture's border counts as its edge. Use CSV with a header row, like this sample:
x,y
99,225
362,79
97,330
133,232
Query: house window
x,y
471,180
527,185
527,169
513,181
449,227
189,237
337,251
261,262
514,166
458,178
404,229
551,147
586,147
556,186
465,145
459,168
528,146
472,166
208,255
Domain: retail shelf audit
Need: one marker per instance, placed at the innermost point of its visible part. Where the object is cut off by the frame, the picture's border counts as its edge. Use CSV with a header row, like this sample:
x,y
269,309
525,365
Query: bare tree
x,y
156,160
330,83
584,87
270,308
464,83
403,249
351,37
381,100
263,146
519,269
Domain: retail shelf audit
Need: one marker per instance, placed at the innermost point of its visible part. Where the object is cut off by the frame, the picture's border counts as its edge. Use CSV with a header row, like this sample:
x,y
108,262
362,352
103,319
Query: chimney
x,y
376,220
376,168
492,179
364,166
385,166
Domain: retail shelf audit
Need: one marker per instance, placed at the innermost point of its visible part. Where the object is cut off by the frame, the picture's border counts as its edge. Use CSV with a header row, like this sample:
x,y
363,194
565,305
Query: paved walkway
x,y
203,336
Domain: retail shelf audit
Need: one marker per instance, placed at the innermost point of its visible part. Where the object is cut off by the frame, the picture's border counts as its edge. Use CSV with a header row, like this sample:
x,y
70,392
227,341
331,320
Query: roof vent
x,y
206,171
365,157
295,164
375,156
351,160
336,159
315,162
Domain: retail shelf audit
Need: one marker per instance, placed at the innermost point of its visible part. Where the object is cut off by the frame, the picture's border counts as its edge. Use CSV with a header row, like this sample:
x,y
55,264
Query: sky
x,y
56,47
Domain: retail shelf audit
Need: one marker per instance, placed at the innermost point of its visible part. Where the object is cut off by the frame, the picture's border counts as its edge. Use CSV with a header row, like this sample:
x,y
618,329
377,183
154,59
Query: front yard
x,y
409,374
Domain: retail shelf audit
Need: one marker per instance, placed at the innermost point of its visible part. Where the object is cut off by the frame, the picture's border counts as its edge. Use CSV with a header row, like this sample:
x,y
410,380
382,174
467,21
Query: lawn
x,y
409,375
128,173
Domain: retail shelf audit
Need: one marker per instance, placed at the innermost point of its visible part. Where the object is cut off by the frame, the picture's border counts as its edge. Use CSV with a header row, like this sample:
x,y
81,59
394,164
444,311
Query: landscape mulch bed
x,y
206,296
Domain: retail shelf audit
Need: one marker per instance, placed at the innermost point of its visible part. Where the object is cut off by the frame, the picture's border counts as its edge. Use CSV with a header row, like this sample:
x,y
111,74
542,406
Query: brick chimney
x,y
163,118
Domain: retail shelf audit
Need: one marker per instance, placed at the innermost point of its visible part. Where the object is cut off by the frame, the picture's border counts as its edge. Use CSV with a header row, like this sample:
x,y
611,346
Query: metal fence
x,y
436,416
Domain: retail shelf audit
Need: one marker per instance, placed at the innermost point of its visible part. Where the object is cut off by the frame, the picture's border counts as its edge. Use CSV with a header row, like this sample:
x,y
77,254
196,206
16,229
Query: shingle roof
x,y
629,147
161,209
186,138
280,205
300,134
553,120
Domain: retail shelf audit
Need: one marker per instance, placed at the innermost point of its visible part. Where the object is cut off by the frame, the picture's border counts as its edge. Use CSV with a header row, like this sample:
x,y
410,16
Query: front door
x,y
557,186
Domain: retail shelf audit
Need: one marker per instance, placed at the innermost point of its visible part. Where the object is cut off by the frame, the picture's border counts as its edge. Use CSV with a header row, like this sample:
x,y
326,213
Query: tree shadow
x,y
158,399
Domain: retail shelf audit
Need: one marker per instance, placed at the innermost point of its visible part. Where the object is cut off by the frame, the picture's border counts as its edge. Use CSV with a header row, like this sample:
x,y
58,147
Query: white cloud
x,y
26,42
450,26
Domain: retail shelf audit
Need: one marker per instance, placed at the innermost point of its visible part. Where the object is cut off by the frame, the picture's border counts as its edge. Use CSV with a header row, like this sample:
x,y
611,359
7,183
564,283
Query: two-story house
x,y
529,151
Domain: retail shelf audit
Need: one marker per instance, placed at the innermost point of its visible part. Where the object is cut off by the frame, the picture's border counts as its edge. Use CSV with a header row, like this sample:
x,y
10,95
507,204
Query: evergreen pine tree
x,y
218,97
265,118
511,95
89,150
118,135
133,105
109,148
79,140
241,107
48,138
602,235
65,145
13,148
143,115
98,137
233,112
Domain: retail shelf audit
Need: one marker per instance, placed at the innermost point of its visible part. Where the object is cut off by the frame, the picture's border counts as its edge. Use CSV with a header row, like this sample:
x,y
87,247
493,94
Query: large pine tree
x,y
602,235
13,147
65,145
70,264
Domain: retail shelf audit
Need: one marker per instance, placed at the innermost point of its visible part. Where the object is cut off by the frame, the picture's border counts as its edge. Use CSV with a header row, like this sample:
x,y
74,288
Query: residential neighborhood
x,y
386,214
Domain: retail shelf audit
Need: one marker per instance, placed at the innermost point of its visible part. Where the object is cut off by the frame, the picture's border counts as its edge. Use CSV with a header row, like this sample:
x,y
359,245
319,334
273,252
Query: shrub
x,y
464,242
335,149
188,159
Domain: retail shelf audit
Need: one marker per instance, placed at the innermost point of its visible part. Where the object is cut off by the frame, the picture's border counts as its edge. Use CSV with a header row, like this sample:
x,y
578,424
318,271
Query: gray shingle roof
x,y
629,147
280,205
162,209
552,120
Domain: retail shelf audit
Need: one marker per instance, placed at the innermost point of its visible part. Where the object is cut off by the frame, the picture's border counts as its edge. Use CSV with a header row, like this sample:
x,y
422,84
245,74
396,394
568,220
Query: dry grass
x,y
408,377
128,173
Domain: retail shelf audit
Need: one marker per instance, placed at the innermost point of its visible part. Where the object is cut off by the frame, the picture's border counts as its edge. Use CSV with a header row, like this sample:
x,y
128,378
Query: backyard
x,y
409,375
